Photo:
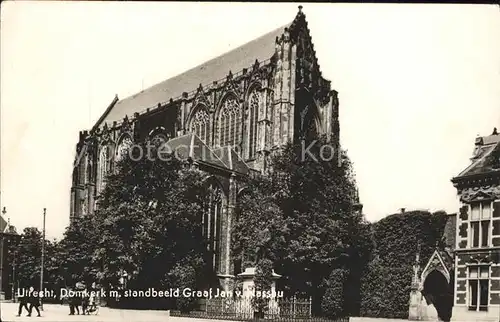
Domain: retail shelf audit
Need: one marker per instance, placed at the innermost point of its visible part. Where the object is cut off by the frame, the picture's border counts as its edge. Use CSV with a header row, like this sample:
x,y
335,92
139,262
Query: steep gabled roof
x,y
3,224
232,160
260,49
486,157
191,146
439,261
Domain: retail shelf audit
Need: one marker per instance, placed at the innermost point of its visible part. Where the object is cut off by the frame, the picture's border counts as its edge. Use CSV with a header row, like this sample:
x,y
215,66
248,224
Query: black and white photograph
x,y
249,161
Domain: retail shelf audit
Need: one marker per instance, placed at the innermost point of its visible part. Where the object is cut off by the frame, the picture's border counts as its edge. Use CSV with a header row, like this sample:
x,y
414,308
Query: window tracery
x,y
83,206
200,124
230,123
104,167
90,174
211,223
123,148
82,170
253,112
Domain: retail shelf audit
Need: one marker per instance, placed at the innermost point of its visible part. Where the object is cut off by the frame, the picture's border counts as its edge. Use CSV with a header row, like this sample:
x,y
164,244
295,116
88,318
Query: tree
x,y
318,200
332,303
307,204
74,260
28,258
148,221
259,228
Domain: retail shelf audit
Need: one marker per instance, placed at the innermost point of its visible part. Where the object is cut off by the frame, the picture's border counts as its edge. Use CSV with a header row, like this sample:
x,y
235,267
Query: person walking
x,y
73,302
34,301
23,303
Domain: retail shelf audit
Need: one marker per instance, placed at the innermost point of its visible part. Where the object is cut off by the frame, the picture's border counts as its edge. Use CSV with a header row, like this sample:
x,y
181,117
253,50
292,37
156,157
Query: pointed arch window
x,y
83,205
253,112
211,223
104,167
89,177
200,124
82,170
123,148
230,123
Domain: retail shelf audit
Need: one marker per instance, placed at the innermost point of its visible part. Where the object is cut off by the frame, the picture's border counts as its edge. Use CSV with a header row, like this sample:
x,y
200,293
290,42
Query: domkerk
x,y
240,106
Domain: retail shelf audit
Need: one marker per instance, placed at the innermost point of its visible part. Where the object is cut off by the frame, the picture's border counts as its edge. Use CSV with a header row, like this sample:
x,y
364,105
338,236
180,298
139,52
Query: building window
x,y
200,124
123,148
90,172
104,167
211,224
480,224
478,292
253,112
230,123
82,170
83,206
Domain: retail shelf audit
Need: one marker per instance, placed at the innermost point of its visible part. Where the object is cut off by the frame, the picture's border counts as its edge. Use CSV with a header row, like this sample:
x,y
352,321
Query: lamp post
x,y
42,261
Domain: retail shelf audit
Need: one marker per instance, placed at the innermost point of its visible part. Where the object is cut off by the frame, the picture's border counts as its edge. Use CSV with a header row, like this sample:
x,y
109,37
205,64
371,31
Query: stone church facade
x,y
461,280
240,107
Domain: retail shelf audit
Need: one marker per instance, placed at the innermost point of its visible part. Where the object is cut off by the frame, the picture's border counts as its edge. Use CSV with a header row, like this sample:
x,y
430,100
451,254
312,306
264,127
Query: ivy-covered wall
x,y
385,285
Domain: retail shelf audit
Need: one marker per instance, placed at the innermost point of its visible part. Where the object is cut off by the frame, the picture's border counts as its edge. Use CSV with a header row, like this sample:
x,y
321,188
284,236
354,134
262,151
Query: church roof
x,y
260,49
191,146
486,157
3,224
232,160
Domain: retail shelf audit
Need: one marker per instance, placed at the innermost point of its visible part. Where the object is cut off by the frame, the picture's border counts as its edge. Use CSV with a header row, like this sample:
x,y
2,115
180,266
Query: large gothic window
x,y
104,167
88,169
200,124
211,223
253,112
123,148
83,205
82,178
230,123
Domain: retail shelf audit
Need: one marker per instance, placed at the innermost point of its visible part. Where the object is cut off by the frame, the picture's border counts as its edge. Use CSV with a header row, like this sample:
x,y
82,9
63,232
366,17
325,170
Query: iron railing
x,y
241,309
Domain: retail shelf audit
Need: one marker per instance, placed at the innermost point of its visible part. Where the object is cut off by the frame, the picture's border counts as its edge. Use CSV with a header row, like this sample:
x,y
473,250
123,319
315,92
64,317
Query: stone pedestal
x,y
248,277
415,313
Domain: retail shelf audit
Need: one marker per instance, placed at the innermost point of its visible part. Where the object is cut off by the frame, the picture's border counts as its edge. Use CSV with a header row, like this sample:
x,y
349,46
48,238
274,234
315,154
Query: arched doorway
x,y
439,294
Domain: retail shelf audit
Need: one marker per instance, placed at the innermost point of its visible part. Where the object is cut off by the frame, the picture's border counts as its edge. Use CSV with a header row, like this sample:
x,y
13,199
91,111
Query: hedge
x,y
332,303
385,285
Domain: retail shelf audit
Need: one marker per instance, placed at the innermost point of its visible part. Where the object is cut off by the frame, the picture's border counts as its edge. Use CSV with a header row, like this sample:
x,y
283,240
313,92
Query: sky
x,y
417,83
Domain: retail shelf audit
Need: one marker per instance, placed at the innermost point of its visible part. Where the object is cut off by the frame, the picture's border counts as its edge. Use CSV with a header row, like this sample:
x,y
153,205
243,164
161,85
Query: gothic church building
x,y
239,106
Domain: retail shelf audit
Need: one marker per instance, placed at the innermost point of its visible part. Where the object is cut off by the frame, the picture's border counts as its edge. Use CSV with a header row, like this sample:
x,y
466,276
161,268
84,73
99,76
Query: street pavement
x,y
59,313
